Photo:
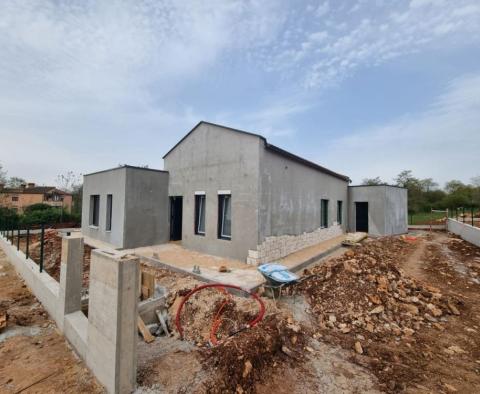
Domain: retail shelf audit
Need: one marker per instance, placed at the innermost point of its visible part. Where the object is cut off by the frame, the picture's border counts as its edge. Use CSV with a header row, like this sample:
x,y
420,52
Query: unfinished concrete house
x,y
230,193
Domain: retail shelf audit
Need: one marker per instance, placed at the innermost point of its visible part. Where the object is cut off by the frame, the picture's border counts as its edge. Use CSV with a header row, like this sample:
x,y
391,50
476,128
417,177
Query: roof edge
x,y
386,184
212,124
125,167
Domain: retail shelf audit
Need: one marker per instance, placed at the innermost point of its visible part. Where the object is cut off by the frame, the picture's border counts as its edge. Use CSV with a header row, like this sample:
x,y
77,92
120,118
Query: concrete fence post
x,y
112,320
71,274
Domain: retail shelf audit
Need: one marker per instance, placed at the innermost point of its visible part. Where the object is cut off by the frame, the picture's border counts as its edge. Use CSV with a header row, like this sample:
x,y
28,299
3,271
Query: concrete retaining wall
x,y
465,231
107,339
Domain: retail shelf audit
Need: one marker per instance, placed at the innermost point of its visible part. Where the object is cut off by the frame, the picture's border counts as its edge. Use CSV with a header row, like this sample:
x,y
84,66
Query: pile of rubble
x,y
366,297
251,356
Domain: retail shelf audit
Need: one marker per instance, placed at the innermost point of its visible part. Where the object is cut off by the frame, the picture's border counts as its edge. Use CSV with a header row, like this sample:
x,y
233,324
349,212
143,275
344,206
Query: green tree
x,y
416,201
373,181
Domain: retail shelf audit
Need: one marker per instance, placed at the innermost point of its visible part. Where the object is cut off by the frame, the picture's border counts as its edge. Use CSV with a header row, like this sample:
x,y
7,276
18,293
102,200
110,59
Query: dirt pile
x,y
365,302
364,291
242,361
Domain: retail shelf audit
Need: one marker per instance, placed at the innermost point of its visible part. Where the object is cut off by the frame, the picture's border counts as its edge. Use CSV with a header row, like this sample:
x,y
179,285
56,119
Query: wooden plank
x,y
147,337
147,285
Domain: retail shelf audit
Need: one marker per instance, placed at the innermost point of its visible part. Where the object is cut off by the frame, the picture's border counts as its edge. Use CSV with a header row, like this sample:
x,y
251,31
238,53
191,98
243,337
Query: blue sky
x,y
366,88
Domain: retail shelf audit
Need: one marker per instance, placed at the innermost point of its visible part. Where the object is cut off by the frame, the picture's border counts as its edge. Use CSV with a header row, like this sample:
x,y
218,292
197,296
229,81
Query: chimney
x,y
23,186
2,185
30,185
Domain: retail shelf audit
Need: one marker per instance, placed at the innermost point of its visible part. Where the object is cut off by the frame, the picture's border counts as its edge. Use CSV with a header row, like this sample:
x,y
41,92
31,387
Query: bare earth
x,y
34,357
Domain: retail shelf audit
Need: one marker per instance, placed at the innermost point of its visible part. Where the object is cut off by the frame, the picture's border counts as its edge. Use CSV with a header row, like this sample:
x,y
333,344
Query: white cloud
x,y
350,42
442,142
81,79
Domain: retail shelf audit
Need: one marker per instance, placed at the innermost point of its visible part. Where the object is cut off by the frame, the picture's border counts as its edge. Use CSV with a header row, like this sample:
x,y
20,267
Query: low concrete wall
x,y
107,339
465,231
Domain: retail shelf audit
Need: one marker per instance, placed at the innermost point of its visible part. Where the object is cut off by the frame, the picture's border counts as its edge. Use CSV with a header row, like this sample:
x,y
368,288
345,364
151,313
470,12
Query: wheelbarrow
x,y
277,277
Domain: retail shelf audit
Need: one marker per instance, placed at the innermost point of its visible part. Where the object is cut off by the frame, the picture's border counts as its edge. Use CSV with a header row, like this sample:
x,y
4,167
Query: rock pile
x,y
365,295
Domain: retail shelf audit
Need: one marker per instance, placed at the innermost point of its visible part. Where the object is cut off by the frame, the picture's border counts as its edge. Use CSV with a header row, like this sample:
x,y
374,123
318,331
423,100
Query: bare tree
x,y
15,181
69,181
3,175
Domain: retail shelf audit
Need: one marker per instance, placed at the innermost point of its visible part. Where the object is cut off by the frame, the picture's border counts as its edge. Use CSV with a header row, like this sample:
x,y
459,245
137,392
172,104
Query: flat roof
x,y
270,147
126,166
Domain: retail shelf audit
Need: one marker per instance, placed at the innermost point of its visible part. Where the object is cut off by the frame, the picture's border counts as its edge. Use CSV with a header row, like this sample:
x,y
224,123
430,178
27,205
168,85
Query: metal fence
x,y
10,231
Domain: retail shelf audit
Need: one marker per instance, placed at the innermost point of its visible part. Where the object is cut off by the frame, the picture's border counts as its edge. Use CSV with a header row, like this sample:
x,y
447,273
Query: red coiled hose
x,y
255,321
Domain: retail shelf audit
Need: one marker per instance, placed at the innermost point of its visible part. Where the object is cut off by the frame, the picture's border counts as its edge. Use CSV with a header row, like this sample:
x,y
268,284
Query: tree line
x,y
426,194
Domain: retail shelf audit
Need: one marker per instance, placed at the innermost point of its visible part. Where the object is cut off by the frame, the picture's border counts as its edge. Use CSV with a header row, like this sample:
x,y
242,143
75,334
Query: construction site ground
x,y
175,257
34,357
394,314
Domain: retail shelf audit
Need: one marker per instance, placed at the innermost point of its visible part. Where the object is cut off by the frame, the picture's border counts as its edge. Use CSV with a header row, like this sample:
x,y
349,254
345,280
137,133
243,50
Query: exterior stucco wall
x,y
212,159
375,196
290,196
139,206
396,212
146,208
387,208
103,183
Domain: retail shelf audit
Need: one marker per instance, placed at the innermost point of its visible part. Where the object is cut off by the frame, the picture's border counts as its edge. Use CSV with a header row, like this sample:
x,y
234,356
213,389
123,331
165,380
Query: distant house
x,y
230,193
28,194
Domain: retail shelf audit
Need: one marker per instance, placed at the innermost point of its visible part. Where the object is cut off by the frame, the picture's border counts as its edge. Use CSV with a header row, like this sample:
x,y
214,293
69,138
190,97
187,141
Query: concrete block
x,y
112,321
71,274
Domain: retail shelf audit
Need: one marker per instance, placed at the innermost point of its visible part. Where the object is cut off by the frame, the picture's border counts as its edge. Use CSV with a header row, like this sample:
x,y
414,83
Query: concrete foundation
x,y
274,248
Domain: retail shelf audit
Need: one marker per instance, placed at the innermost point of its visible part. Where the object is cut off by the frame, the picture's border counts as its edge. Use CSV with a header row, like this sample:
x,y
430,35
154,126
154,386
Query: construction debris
x,y
354,238
147,336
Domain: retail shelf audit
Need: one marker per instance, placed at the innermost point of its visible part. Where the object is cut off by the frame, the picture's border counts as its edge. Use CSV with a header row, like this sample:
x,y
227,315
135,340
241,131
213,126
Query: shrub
x,y
37,207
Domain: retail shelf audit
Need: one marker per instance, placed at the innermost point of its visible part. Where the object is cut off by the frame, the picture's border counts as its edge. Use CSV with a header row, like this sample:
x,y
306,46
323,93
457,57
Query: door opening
x,y
361,216
176,208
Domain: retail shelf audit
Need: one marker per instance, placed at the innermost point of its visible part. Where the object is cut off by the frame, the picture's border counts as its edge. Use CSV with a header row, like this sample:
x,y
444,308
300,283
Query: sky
x,y
364,87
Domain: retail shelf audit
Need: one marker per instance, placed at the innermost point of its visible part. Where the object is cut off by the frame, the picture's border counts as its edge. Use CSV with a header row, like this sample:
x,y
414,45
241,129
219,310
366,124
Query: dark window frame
x,y
324,213
340,212
200,202
14,198
222,198
108,218
94,210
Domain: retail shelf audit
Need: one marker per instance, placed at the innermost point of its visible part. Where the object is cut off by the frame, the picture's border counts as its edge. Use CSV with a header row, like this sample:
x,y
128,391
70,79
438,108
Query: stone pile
x,y
366,295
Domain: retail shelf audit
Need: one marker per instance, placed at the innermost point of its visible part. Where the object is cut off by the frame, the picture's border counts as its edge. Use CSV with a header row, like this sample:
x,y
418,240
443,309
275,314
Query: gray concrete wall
x,y
375,196
146,208
212,159
103,183
465,231
387,208
396,210
139,206
290,195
